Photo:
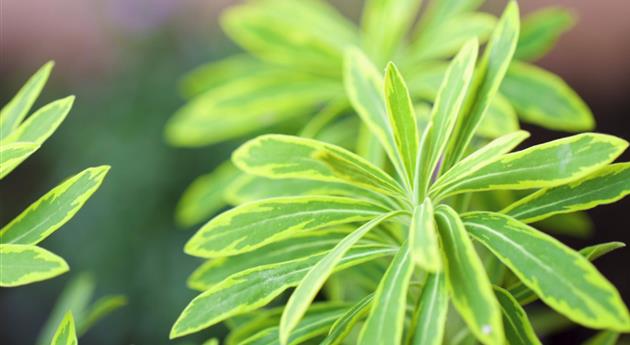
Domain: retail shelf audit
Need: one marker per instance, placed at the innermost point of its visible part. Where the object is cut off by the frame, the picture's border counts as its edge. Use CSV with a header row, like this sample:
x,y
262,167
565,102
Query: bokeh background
x,y
123,60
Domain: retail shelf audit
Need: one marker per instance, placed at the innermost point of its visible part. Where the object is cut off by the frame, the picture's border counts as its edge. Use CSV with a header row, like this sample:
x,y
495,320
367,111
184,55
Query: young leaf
x,y
403,121
546,165
477,160
254,288
344,324
283,156
205,195
305,292
253,225
445,111
385,322
381,40
14,112
53,209
488,77
562,278
364,87
423,240
25,264
518,330
43,123
302,244
430,319
467,282
101,308
541,30
11,155
605,186
66,334
543,99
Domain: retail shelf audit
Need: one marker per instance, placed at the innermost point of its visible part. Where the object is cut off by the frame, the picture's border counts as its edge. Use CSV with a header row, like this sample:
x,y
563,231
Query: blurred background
x,y
123,59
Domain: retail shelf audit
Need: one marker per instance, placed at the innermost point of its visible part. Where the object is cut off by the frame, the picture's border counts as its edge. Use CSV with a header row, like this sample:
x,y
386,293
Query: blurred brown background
x,y
123,59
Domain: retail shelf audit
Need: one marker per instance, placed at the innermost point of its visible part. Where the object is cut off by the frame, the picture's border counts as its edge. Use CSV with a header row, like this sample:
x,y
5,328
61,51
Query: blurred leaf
x,y
12,155
344,324
24,264
100,309
14,112
54,209
576,224
603,338
542,98
541,30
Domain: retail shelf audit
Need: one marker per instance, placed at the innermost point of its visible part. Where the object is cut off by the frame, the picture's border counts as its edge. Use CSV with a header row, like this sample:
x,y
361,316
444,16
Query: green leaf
x,y
576,224
518,330
423,239
546,165
346,322
42,124
445,111
603,338
561,277
54,209
65,334
364,87
440,10
101,308
255,224
305,34
283,156
403,121
477,160
430,318
447,38
25,264
467,282
488,76
541,30
525,296
12,155
14,112
384,325
542,98
256,287
206,195
300,245
310,285
247,105
316,322
605,186
500,119
382,35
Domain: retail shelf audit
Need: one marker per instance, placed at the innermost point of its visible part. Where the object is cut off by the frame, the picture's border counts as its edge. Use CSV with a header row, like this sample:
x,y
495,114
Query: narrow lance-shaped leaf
x,y
66,334
253,225
518,329
283,156
467,282
545,165
488,77
100,309
254,288
24,264
603,338
445,111
423,239
305,292
541,30
605,186
344,324
364,87
561,277
11,155
430,318
542,98
53,209
525,296
403,121
42,124
16,110
385,322
477,160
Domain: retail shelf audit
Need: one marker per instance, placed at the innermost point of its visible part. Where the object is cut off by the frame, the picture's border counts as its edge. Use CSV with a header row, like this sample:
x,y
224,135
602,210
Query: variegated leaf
x,y
24,264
